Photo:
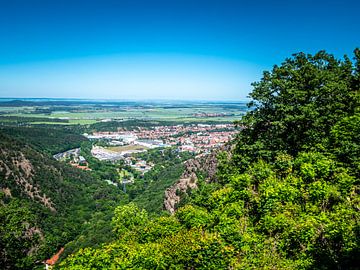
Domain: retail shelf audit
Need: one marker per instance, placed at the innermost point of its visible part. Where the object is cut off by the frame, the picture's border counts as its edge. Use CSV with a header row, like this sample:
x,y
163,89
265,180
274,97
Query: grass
x,y
71,122
126,148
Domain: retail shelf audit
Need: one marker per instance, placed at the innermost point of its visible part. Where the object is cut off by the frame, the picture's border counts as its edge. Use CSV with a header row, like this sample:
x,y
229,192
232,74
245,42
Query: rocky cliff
x,y
17,172
205,164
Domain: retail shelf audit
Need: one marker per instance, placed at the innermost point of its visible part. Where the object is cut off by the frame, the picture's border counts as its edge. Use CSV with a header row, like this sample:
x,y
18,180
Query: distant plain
x,y
76,112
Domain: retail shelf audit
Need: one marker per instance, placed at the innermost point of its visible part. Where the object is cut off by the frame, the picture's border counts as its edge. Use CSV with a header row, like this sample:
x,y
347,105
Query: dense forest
x,y
51,140
286,197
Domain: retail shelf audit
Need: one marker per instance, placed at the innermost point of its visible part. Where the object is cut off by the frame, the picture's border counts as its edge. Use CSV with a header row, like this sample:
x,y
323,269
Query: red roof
x,y
86,168
54,258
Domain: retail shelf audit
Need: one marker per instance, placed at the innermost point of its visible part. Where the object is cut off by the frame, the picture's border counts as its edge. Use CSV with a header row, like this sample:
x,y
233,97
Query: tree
x,y
20,238
129,219
297,103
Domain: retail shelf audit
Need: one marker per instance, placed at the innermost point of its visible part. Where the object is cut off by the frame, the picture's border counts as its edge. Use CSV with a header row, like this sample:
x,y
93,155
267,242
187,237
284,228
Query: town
x,y
124,144
196,138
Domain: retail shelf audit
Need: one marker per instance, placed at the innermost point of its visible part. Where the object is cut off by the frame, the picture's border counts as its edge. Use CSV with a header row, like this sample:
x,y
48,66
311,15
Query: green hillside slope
x,y
43,203
48,139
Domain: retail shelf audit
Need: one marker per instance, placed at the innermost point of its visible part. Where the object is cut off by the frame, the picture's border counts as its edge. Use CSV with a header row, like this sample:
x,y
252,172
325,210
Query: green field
x,y
71,122
158,114
81,114
126,148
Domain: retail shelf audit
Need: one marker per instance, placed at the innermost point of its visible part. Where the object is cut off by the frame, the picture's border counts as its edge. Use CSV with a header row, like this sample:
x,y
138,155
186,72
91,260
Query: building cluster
x,y
70,154
197,138
114,138
101,153
123,144
139,164
74,158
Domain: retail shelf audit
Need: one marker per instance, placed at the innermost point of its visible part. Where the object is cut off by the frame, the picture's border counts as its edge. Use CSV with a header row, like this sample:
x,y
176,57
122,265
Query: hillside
x,y
48,139
44,203
286,198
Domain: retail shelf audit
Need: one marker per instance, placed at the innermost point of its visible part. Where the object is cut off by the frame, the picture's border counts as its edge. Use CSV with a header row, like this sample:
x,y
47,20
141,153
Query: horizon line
x,y
126,99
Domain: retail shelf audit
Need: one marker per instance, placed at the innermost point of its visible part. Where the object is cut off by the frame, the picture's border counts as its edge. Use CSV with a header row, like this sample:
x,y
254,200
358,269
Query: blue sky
x,y
157,49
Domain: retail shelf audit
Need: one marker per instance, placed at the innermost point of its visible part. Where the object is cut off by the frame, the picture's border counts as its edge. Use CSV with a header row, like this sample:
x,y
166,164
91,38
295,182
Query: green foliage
x,y
345,137
20,237
296,105
129,219
18,120
287,195
47,139
193,217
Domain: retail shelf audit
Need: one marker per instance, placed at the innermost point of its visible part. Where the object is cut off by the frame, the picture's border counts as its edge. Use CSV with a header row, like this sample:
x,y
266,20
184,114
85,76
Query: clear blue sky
x,y
153,49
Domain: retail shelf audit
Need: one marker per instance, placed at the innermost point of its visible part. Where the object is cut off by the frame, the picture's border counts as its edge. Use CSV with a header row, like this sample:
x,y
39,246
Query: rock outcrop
x,y
17,167
172,197
205,164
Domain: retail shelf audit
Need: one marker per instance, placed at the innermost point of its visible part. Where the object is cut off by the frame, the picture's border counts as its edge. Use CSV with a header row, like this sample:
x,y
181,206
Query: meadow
x,y
129,147
87,114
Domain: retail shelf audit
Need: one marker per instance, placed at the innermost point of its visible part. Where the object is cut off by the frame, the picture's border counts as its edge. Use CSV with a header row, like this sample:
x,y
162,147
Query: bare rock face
x,y
171,196
20,169
6,191
205,163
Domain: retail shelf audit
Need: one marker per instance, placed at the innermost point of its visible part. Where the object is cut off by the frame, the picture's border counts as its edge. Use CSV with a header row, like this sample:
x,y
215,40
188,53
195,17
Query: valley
x,y
134,159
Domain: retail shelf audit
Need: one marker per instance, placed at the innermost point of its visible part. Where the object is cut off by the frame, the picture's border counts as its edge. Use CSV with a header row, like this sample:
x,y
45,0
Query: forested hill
x,y
51,140
43,203
287,198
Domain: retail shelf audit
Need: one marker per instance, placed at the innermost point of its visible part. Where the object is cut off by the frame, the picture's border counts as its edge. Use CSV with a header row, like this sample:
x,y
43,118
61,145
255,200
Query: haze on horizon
x,y
138,49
